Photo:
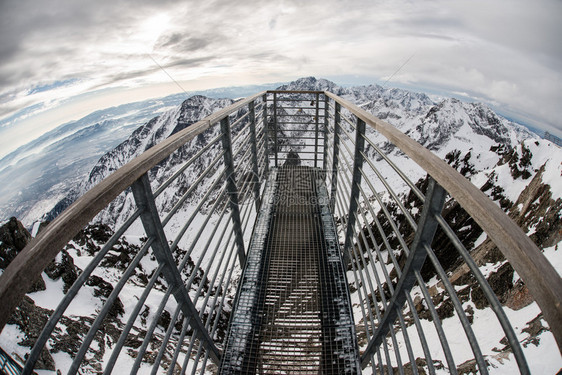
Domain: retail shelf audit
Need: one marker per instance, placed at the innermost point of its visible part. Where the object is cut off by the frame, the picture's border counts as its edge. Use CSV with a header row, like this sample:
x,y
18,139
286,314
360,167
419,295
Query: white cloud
x,y
505,52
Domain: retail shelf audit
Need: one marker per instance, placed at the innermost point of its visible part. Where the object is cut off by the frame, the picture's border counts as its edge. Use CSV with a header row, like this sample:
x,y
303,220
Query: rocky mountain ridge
x,y
516,169
438,126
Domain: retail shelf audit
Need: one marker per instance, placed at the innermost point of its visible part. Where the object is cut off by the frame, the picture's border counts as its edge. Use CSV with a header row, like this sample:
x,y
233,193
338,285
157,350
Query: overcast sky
x,y
62,59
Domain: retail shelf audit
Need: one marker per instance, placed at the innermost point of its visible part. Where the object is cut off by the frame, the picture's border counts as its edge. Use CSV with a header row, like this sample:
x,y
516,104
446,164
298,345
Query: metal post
x,y
266,135
255,169
435,199
324,166
275,127
153,228
335,156
355,183
316,132
232,190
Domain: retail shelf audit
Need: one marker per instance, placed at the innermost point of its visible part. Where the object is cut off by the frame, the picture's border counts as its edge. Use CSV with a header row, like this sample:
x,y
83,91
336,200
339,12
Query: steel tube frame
x,y
232,190
153,228
356,182
255,166
435,199
252,130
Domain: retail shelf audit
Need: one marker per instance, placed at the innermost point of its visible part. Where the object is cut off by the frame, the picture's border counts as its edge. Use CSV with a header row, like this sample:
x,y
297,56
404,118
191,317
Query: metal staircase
x,y
298,261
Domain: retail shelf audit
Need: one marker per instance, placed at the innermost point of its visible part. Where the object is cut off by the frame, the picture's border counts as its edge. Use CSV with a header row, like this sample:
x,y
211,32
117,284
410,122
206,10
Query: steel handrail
x,y
537,272
28,265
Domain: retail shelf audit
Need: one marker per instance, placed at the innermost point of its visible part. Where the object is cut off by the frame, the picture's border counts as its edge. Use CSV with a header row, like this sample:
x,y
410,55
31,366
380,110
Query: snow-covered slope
x,y
519,171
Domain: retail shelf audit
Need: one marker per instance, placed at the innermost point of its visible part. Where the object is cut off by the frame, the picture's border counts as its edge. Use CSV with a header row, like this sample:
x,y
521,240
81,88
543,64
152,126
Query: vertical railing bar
x,y
106,307
179,345
244,169
196,212
490,296
275,129
266,132
360,290
393,258
356,181
217,318
153,227
197,265
437,324
163,348
150,331
405,178
316,124
186,165
232,190
356,257
379,285
243,163
435,200
335,158
391,288
223,298
207,323
357,264
351,140
192,188
241,147
254,156
397,350
381,363
326,114
419,328
72,292
421,334
409,217
385,211
241,132
206,246
130,322
458,308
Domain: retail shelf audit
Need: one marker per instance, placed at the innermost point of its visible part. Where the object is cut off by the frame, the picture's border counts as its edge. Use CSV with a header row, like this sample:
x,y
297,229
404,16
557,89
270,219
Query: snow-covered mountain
x,y
442,127
39,174
519,171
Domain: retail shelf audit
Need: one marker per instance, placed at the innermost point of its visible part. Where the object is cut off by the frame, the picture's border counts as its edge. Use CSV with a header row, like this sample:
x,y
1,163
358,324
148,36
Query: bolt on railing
x,y
394,272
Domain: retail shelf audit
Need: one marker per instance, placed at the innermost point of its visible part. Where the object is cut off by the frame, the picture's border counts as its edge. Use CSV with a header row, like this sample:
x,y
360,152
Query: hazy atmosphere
x,y
60,60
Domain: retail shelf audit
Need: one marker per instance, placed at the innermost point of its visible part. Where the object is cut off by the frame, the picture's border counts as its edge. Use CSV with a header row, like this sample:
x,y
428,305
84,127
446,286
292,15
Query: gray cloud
x,y
504,51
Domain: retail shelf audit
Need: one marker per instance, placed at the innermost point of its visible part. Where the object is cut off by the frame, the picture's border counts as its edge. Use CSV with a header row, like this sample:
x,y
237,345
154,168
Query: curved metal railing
x,y
197,245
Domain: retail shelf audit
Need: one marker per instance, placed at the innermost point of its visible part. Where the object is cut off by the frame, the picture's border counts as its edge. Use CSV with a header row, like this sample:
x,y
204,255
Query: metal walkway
x,y
293,314
246,255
